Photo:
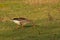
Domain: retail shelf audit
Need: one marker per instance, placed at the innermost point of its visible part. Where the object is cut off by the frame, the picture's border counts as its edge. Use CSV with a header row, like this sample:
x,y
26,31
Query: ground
x,y
35,10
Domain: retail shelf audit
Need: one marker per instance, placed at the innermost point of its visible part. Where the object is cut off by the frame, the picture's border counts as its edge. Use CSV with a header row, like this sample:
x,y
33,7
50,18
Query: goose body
x,y
21,21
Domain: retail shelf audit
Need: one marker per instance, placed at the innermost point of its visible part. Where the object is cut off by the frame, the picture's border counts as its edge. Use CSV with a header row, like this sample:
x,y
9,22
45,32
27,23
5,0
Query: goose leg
x,y
17,27
22,25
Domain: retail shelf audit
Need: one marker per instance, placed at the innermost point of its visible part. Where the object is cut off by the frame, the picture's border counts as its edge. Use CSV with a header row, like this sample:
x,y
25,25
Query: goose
x,y
21,21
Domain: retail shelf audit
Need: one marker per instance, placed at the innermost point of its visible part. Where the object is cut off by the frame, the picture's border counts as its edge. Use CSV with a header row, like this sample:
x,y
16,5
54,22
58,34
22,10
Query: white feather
x,y
17,22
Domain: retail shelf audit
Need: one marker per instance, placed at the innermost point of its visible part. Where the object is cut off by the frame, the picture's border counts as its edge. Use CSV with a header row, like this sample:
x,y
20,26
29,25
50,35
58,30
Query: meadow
x,y
35,10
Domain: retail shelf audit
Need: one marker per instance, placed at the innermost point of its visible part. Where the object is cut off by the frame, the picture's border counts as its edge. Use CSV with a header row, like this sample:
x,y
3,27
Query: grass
x,y
38,13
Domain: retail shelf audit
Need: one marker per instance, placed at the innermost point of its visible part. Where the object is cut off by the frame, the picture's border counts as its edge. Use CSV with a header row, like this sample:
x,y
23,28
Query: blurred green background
x,y
35,10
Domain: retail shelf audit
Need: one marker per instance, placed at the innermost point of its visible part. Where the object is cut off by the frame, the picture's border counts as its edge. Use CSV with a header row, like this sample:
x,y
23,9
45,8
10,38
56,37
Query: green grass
x,y
44,29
